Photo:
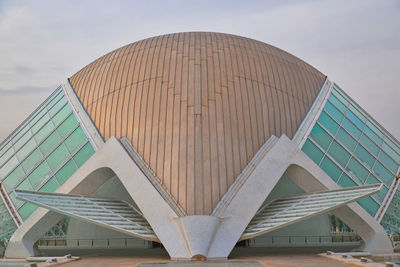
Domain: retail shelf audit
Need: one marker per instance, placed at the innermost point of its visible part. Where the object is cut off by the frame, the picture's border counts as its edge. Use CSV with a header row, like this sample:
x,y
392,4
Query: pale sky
x,y
355,43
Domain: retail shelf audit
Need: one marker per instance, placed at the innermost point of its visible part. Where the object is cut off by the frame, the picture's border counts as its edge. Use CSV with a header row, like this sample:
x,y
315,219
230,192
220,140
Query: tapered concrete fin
x,y
198,231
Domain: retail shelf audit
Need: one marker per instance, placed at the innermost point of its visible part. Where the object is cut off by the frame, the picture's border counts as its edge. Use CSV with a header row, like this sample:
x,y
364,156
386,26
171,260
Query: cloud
x,y
356,43
25,90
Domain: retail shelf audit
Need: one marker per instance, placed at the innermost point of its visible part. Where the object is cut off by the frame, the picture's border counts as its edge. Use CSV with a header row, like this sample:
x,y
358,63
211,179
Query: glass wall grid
x,y
352,149
32,127
29,146
391,220
44,151
17,133
373,127
7,224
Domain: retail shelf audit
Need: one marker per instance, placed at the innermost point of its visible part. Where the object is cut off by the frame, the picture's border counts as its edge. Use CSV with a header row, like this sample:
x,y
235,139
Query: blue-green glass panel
x,y
346,139
20,132
37,117
25,185
372,135
373,180
328,122
331,168
6,156
57,106
6,145
40,123
369,205
54,99
383,173
32,160
382,194
375,129
390,151
58,156
346,181
340,97
50,143
41,173
75,140
339,153
337,103
355,119
50,186
26,149
312,151
364,156
84,154
13,178
23,140
26,210
359,113
388,162
67,126
66,171
393,146
351,128
44,132
319,135
61,115
333,111
8,167
371,146
357,171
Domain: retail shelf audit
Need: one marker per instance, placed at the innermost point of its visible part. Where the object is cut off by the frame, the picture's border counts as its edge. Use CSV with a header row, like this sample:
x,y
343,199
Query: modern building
x,y
198,141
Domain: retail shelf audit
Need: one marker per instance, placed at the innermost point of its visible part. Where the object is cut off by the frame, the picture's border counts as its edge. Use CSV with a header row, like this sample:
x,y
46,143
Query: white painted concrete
x,y
111,159
285,158
82,116
199,231
213,237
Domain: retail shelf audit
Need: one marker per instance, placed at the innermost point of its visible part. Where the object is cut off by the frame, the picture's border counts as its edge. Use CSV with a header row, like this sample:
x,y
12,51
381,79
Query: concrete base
x,y
199,232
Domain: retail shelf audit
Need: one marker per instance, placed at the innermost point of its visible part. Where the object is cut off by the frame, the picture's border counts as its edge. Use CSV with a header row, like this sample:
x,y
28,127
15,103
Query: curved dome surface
x,y
197,106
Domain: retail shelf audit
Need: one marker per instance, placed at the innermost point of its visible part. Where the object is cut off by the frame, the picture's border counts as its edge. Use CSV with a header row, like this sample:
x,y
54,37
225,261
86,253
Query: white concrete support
x,y
286,158
199,231
81,115
209,236
111,159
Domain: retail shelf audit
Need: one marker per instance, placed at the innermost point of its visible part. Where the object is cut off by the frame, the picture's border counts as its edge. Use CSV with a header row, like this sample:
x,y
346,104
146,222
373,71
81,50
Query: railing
x,y
395,238
139,243
303,240
92,243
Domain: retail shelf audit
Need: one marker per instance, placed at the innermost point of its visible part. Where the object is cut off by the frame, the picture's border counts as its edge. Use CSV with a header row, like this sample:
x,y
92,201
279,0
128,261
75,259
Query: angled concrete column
x,y
286,158
199,232
111,159
308,176
209,236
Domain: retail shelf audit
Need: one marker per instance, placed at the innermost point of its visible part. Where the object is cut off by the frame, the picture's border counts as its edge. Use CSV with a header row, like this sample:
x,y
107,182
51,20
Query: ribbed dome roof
x,y
197,106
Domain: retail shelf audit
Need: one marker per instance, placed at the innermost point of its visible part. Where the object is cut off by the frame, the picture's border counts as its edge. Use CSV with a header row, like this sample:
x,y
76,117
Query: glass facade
x,y
352,148
58,230
7,224
43,152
